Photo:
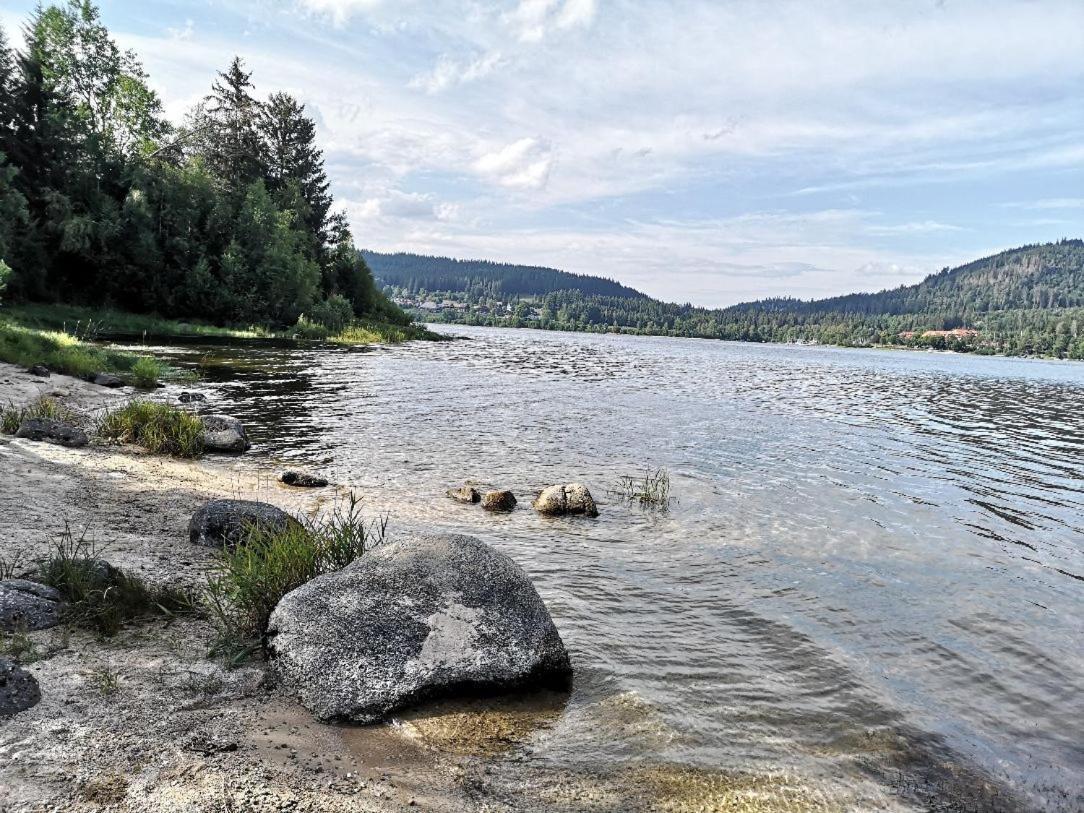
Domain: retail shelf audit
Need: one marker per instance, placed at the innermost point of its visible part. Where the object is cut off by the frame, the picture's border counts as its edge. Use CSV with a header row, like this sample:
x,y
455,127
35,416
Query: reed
x,y
158,428
651,489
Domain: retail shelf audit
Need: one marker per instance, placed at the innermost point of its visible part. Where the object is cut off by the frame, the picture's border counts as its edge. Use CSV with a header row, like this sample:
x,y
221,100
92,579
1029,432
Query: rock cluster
x,y
52,431
414,620
465,494
225,523
191,397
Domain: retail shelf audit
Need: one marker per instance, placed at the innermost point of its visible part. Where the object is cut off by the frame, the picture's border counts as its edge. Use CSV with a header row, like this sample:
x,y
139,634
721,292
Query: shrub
x,y
334,313
247,582
651,490
99,596
147,371
12,416
159,428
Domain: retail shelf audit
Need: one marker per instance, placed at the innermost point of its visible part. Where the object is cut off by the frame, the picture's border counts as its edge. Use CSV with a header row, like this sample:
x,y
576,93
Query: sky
x,y
711,151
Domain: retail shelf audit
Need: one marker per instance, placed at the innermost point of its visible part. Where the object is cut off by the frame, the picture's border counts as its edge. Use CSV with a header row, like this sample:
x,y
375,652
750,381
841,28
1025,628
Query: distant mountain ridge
x,y
418,272
1024,301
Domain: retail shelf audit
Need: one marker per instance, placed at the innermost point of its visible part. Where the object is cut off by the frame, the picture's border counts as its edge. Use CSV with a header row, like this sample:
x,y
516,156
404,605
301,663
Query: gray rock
x,y
465,494
225,523
420,619
191,397
574,498
302,480
39,370
221,433
18,688
51,431
28,605
498,501
107,380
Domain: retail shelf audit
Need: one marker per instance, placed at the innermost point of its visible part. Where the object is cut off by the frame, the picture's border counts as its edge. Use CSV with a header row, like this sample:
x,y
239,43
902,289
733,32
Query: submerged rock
x,y
106,380
558,501
191,397
28,605
498,501
423,618
18,688
39,370
300,479
225,523
466,494
52,431
221,433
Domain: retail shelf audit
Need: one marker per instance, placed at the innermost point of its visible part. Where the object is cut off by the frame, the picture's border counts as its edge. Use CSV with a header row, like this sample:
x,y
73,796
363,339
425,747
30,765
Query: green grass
x,y
383,333
100,597
651,489
11,416
81,321
247,583
158,428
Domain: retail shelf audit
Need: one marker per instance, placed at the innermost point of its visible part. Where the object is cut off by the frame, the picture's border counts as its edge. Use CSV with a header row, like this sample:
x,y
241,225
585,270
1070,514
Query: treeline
x,y
225,217
1028,301
415,273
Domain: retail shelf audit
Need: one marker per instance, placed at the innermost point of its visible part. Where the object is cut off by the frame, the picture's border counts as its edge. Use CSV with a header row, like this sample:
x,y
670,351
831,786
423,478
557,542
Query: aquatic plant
x,y
159,428
11,416
248,581
651,489
147,371
99,596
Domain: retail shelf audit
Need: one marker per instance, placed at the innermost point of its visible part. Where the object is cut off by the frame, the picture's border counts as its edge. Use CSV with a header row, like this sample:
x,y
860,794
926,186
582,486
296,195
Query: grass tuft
x,y
11,416
147,371
247,583
651,490
99,596
159,428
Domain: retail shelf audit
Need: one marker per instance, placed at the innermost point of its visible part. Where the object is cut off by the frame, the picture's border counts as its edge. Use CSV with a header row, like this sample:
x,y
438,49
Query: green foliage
x,y
247,582
103,203
158,428
651,489
11,416
101,597
146,372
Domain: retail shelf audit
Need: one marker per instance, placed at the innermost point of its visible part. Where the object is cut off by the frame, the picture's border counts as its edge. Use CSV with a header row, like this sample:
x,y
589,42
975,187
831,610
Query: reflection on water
x,y
867,545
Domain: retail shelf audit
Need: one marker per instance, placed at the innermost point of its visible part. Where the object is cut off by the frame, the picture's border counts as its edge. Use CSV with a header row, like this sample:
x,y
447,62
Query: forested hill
x,y
1043,276
415,272
1027,301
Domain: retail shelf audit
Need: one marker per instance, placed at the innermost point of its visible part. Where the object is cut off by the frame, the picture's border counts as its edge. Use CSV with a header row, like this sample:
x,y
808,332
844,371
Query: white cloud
x,y
449,72
523,164
916,227
532,19
339,10
184,33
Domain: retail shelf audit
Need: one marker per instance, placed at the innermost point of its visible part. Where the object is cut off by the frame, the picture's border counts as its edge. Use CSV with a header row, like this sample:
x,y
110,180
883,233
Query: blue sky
x,y
699,150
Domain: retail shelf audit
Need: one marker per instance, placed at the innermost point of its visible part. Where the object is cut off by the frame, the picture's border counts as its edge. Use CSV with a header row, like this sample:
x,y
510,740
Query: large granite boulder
x,y
106,380
559,501
52,431
300,479
28,605
225,523
498,501
18,688
422,618
221,433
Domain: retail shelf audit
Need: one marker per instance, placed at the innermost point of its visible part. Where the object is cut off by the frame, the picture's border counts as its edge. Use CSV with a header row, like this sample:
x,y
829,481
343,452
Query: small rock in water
x,y
191,397
225,523
574,498
106,380
221,433
499,501
28,605
39,370
465,494
18,688
51,431
418,619
302,480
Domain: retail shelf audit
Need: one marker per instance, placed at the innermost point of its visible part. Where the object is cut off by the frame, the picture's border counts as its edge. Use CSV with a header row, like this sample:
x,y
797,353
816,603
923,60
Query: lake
x,y
867,593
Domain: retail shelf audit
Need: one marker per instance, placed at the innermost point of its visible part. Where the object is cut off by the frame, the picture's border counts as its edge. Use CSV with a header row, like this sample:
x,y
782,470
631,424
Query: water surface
x,y
870,584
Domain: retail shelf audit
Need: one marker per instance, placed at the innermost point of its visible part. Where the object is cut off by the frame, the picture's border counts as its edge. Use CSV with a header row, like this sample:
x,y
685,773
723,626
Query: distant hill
x,y
416,272
1026,301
